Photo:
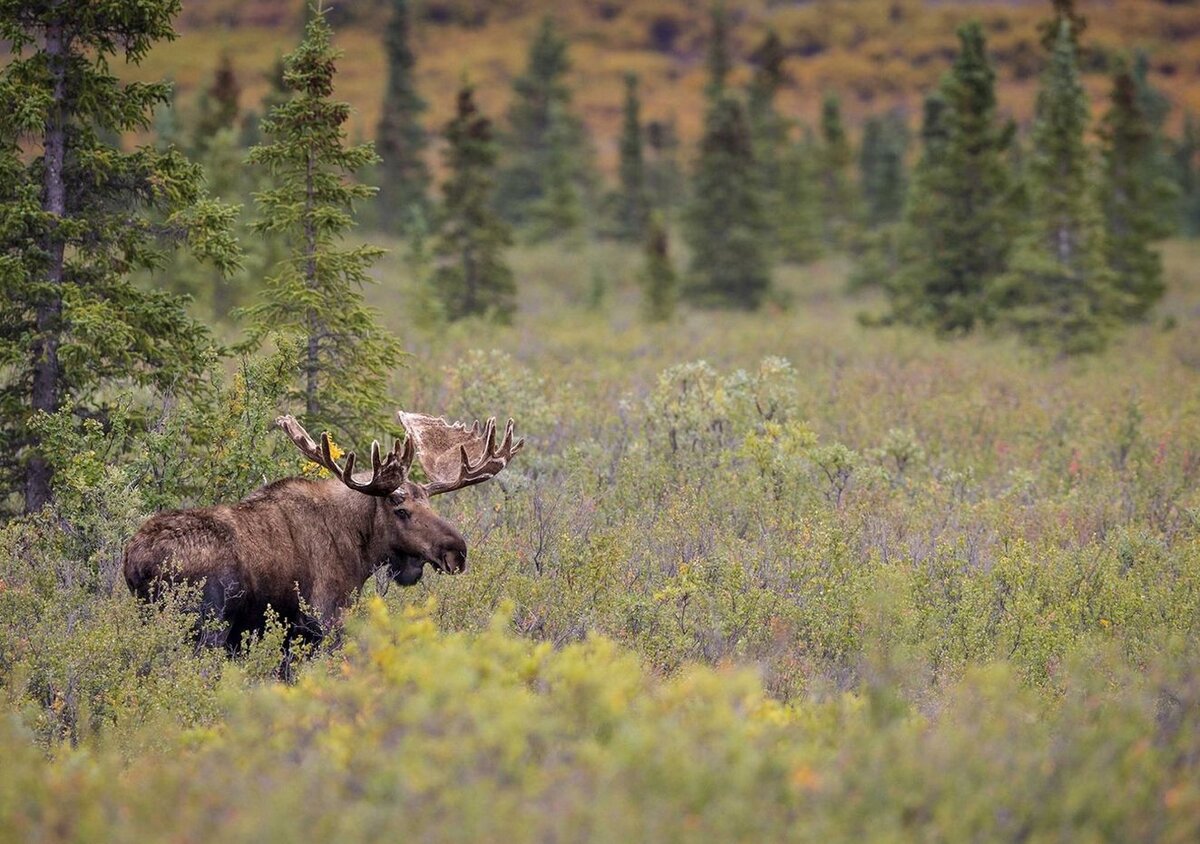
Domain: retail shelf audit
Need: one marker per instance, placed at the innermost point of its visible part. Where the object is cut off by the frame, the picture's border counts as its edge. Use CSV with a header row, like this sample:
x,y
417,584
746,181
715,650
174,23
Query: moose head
x,y
452,457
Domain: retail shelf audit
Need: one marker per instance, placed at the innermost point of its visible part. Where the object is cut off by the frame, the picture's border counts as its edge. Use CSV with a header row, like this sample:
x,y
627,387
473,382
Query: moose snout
x,y
454,560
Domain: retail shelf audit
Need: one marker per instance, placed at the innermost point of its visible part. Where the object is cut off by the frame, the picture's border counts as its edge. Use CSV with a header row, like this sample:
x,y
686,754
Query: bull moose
x,y
304,547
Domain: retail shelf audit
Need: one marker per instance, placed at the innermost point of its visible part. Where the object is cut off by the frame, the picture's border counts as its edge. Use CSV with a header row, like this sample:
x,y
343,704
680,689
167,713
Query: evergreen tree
x,y
838,206
1058,292
1134,195
726,223
958,223
218,105
220,292
473,278
664,177
1152,103
317,294
769,131
400,138
883,185
546,152
559,211
1064,11
1187,180
659,282
719,61
79,217
277,94
881,169
1156,108
633,207
799,229
167,131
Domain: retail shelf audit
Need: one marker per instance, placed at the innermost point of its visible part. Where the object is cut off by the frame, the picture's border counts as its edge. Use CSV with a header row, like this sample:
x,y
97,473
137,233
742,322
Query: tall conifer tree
x,y
400,137
719,61
1063,12
838,202
799,228
1187,179
959,222
1059,292
726,223
665,179
473,277
346,356
79,216
218,104
633,205
883,185
769,130
881,169
1135,195
545,153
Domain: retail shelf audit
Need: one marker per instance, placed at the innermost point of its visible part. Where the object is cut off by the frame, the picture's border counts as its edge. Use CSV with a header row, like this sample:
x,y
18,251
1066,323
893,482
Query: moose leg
x,y
212,627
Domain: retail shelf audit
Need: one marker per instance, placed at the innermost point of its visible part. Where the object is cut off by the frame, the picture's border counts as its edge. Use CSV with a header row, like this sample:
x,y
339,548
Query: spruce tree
x,y
659,282
1063,11
718,59
881,169
1134,195
473,277
227,178
838,205
958,224
883,184
218,108
559,210
633,202
1187,180
665,179
317,294
277,94
726,224
167,129
545,151
400,137
80,216
769,131
1059,292
799,228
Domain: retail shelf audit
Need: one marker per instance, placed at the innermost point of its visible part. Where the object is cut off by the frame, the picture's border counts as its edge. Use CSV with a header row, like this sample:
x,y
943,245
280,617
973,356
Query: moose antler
x,y
455,456
388,474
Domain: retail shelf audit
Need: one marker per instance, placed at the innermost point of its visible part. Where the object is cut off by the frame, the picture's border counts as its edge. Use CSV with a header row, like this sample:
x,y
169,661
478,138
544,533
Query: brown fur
x,y
295,539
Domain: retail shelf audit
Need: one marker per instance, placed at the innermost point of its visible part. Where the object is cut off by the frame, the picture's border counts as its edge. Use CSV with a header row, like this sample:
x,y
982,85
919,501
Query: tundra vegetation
x,y
773,573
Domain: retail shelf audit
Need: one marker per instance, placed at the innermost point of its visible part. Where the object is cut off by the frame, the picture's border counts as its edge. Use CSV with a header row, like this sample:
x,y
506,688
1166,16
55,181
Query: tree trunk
x,y
47,372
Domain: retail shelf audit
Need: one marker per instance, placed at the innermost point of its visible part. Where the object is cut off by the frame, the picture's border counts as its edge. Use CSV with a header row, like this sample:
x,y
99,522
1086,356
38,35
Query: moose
x,y
304,548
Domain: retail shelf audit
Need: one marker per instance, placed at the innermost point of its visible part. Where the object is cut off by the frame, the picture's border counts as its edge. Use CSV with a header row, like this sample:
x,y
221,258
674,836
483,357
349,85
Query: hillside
x,y
877,54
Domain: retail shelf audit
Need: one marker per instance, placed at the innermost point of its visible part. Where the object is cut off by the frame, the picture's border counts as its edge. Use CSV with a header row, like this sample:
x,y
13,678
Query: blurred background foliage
x,y
877,53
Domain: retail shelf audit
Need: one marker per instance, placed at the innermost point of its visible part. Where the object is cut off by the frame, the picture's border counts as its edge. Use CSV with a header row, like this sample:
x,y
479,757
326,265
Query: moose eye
x,y
403,513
